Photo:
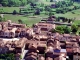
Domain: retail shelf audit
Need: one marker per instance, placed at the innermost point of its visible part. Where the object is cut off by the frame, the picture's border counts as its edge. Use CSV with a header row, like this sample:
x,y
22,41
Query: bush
x,y
67,29
14,12
74,28
20,21
1,19
37,12
62,29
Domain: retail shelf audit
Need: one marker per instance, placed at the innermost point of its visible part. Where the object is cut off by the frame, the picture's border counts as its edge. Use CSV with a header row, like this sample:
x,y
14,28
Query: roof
x,y
66,35
45,25
32,45
70,50
20,43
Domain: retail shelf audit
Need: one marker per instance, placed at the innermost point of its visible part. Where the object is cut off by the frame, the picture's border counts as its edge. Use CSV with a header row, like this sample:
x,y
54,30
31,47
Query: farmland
x,y
27,20
70,12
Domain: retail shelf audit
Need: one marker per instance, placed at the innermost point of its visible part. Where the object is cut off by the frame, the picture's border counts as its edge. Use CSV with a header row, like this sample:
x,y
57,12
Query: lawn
x,y
9,9
70,15
77,11
29,20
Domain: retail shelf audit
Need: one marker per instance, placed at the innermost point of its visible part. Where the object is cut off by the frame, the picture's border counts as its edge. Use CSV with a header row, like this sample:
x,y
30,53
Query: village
x,y
39,30
38,42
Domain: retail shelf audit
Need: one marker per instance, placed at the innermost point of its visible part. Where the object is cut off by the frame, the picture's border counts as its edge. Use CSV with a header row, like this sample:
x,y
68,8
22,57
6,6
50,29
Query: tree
x,y
62,29
59,29
5,2
74,28
66,29
14,12
32,5
13,2
20,21
37,12
20,11
58,19
51,0
23,2
70,20
6,56
31,1
1,19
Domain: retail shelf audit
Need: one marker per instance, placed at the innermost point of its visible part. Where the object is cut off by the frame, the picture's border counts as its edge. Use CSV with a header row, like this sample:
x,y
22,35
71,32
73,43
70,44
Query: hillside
x,y
18,3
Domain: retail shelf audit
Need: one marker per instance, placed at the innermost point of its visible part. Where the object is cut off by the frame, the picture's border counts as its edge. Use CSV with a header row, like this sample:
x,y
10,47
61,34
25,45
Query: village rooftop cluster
x,y
37,42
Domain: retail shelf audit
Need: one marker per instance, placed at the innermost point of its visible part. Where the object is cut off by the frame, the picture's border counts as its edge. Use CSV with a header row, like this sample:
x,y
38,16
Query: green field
x,y
26,19
29,20
70,15
9,9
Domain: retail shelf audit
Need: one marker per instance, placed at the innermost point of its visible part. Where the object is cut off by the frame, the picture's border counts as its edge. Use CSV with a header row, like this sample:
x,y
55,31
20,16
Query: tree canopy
x,y
13,2
74,28
61,29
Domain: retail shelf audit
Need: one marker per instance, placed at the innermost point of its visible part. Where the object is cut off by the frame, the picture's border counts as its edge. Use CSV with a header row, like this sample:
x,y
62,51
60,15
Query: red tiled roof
x,y
69,50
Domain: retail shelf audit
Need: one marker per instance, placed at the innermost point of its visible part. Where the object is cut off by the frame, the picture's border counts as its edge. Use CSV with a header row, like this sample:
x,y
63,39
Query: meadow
x,y
9,9
37,18
29,20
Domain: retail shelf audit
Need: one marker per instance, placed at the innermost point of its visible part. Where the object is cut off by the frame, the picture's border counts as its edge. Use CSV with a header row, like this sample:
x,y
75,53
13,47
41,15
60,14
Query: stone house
x,y
17,32
6,33
45,26
23,32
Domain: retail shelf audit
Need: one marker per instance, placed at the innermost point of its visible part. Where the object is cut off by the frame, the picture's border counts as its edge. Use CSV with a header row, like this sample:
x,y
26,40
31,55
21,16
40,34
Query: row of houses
x,y
52,48
55,49
11,30
38,42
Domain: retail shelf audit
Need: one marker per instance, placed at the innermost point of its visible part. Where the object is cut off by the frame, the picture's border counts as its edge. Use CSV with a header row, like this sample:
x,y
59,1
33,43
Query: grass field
x,y
26,19
75,16
9,9
70,15
30,21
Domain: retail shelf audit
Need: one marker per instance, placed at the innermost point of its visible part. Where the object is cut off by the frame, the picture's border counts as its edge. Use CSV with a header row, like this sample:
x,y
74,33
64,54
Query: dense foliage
x,y
2,19
65,29
7,56
24,2
61,29
74,28
13,2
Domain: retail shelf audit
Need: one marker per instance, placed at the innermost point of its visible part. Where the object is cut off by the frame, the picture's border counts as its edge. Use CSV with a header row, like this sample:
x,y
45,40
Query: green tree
x,y
23,2
14,12
1,19
51,0
9,56
4,2
20,21
37,12
62,29
74,28
17,2
66,29
31,1
59,29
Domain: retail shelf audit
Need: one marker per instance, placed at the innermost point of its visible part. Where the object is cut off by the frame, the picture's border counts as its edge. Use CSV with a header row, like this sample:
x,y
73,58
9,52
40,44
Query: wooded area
x,y
17,3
